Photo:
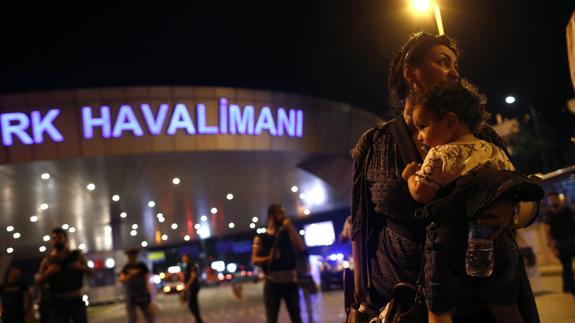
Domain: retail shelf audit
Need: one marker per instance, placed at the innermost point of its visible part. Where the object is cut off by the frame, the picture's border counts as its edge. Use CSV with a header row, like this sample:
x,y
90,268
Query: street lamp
x,y
511,100
423,6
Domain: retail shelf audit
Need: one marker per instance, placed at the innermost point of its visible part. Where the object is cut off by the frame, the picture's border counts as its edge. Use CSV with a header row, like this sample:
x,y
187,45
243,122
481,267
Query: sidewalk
x,y
554,306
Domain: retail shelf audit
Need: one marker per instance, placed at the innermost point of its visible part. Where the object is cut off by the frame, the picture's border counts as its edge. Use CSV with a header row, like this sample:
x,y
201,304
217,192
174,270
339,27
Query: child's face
x,y
433,131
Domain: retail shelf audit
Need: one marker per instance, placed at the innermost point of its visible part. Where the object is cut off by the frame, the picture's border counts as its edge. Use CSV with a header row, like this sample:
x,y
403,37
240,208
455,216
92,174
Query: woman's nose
x,y
454,74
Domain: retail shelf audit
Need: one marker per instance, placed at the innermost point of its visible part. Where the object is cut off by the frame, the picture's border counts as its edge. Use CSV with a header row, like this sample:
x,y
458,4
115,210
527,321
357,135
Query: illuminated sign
x,y
231,119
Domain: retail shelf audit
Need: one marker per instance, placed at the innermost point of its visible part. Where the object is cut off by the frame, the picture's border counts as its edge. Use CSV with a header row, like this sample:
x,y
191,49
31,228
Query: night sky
x,y
334,49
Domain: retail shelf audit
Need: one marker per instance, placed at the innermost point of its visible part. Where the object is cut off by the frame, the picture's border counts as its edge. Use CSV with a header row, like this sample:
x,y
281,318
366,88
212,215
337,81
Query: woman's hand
x,y
410,170
499,216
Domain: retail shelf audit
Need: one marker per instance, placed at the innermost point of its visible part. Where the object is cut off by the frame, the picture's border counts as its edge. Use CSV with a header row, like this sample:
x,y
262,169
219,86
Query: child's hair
x,y
460,98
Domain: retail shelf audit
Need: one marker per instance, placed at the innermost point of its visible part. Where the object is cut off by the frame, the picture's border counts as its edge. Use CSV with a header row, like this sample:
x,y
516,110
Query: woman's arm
x,y
258,260
294,236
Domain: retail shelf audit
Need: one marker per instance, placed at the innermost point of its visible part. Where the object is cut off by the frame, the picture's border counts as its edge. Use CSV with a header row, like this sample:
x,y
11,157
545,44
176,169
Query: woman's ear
x,y
452,119
409,76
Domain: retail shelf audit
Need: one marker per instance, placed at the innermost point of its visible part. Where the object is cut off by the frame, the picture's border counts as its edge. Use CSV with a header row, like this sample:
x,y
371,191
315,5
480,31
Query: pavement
x,y
218,304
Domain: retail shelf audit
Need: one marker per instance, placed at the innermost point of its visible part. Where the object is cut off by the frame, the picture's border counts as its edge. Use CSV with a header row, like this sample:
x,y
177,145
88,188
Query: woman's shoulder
x,y
368,137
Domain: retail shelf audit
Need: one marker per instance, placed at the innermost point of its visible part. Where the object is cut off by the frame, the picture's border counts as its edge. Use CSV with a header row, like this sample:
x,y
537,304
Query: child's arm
x,y
420,191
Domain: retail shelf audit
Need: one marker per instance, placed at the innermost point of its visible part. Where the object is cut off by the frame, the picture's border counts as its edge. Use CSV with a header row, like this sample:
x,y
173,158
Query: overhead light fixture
x,y
176,181
123,215
65,226
91,186
231,225
307,212
204,218
72,230
134,227
187,237
301,232
174,226
82,246
9,250
162,220
151,204
164,237
90,264
10,228
116,198
45,176
214,210
294,189
16,235
34,218
46,238
160,215
133,233
255,219
42,248
197,226
44,206
252,225
230,196
144,244
302,196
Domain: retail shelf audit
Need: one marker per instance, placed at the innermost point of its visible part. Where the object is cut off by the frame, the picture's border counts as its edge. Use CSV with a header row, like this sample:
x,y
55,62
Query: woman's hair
x,y
461,98
412,53
271,210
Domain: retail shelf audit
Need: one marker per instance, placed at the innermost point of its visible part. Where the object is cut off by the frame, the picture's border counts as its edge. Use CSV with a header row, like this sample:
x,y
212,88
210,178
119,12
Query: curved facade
x,y
132,120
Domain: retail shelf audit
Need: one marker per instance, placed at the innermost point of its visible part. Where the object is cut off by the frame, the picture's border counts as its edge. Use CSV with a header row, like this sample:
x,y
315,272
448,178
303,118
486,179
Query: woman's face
x,y
438,64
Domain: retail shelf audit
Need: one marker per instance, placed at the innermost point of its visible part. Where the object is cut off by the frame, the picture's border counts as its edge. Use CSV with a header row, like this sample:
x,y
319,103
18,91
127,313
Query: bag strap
x,y
402,137
409,153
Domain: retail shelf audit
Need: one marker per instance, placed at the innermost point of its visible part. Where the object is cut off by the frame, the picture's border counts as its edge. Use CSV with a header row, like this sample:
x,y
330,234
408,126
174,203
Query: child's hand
x,y
410,170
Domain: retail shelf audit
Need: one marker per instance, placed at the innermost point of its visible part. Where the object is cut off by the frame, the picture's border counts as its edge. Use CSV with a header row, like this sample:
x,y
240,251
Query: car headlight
x,y
180,287
167,289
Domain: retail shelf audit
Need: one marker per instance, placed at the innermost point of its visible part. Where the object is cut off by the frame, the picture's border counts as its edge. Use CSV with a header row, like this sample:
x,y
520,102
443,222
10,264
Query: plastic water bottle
x,y
480,255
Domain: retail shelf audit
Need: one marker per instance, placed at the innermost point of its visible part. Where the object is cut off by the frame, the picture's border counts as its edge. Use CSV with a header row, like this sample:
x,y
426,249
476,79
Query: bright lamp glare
x,y
218,266
421,5
510,99
231,267
110,263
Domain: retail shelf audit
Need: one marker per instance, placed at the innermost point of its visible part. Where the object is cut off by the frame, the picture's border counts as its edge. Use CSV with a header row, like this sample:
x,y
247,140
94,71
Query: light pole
x,y
511,100
421,6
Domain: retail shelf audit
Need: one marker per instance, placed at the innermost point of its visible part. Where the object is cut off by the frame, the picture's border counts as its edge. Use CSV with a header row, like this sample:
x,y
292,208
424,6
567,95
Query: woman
x,y
275,251
387,241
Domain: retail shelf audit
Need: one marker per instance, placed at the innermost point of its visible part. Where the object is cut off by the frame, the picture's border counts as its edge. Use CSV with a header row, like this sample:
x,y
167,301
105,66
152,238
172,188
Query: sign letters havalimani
x,y
144,119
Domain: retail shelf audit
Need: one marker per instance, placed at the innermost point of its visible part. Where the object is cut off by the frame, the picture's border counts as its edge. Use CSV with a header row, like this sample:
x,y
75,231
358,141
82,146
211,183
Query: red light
x,y
229,277
249,274
243,272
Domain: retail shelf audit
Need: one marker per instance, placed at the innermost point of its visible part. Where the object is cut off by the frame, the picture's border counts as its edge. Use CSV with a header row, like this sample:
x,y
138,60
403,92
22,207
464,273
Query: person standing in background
x,y
560,233
275,251
63,270
136,279
15,297
192,286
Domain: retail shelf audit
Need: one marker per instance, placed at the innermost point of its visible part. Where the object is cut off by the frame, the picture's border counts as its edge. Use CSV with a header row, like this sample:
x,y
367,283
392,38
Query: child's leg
x,y
440,317
505,313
